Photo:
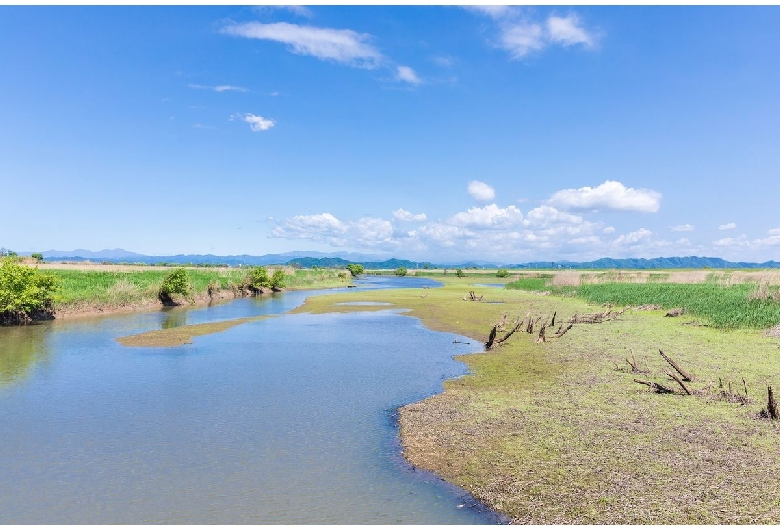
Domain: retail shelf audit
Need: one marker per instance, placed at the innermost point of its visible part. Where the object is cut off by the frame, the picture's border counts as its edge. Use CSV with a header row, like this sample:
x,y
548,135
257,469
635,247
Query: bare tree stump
x,y
771,404
491,338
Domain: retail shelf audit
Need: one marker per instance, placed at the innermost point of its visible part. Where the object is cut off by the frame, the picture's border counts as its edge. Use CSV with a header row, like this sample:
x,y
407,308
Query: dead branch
x,y
655,387
491,338
685,376
680,382
559,333
552,324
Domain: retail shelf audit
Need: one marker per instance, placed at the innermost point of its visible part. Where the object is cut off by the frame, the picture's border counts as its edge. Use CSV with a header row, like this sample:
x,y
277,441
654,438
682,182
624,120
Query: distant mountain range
x,y
308,259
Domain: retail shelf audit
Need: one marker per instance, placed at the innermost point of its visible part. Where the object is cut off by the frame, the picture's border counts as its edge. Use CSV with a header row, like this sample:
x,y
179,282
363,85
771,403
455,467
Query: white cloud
x,y
610,195
403,215
609,230
495,12
490,216
256,123
682,228
633,237
521,39
520,35
318,226
544,216
219,88
340,45
443,60
481,191
683,241
567,31
405,73
728,226
774,232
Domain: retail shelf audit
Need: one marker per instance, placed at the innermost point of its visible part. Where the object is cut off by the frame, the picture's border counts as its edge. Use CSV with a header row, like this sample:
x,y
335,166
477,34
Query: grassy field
x,y
93,287
754,303
559,432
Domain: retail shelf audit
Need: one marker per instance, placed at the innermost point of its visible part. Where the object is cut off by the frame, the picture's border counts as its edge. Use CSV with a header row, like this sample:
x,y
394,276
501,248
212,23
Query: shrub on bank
x,y
25,293
177,282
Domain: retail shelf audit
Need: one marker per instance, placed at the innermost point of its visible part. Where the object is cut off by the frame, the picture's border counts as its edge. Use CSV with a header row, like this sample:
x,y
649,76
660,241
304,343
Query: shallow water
x,y
286,420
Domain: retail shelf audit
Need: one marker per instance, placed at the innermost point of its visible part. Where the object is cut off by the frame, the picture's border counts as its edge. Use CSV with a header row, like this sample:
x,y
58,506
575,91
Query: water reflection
x,y
21,348
174,318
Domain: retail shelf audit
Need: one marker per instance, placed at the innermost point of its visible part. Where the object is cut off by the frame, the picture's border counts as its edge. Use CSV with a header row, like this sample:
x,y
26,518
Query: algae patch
x,y
162,338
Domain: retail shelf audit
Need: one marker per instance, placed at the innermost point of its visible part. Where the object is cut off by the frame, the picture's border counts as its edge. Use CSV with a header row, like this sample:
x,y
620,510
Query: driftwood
x,y
655,387
561,332
685,375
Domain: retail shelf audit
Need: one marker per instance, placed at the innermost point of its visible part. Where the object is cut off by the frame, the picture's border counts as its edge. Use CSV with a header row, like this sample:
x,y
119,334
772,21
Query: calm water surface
x,y
285,420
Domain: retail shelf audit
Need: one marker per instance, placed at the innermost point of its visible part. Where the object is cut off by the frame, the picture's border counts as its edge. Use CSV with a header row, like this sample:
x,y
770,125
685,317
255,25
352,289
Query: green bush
x,y
176,282
37,256
502,273
459,273
401,271
25,293
277,280
258,278
355,269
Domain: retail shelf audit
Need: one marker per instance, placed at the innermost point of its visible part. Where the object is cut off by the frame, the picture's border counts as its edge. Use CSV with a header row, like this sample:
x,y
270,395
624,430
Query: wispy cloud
x,y
340,45
481,191
404,215
521,35
568,31
682,228
727,226
405,73
256,123
219,88
611,195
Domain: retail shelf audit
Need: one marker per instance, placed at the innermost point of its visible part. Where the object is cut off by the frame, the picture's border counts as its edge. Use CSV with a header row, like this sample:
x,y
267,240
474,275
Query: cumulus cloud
x,y
609,230
633,237
403,215
774,232
682,228
611,195
256,123
340,45
490,216
727,226
481,191
405,73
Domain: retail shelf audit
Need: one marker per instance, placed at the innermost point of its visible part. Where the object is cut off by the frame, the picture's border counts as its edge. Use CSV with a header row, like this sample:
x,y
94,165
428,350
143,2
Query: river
x,y
289,420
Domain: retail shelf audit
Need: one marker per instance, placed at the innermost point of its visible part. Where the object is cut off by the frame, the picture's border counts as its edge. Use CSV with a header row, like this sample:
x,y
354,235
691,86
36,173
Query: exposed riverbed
x,y
283,420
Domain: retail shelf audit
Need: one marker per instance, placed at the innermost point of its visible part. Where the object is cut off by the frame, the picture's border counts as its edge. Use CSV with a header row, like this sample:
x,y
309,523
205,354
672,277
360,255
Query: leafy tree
x,y
459,273
277,279
37,256
502,273
176,282
355,269
401,271
25,293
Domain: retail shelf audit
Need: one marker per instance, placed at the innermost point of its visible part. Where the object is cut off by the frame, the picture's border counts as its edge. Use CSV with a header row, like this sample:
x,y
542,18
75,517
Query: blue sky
x,y
438,133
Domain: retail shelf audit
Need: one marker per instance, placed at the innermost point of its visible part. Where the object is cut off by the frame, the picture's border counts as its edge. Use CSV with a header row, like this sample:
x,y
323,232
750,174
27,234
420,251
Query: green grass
x,y
724,307
116,289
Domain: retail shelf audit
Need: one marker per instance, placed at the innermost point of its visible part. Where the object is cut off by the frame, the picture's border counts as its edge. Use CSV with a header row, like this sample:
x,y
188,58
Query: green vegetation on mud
x,y
110,289
722,306
559,432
